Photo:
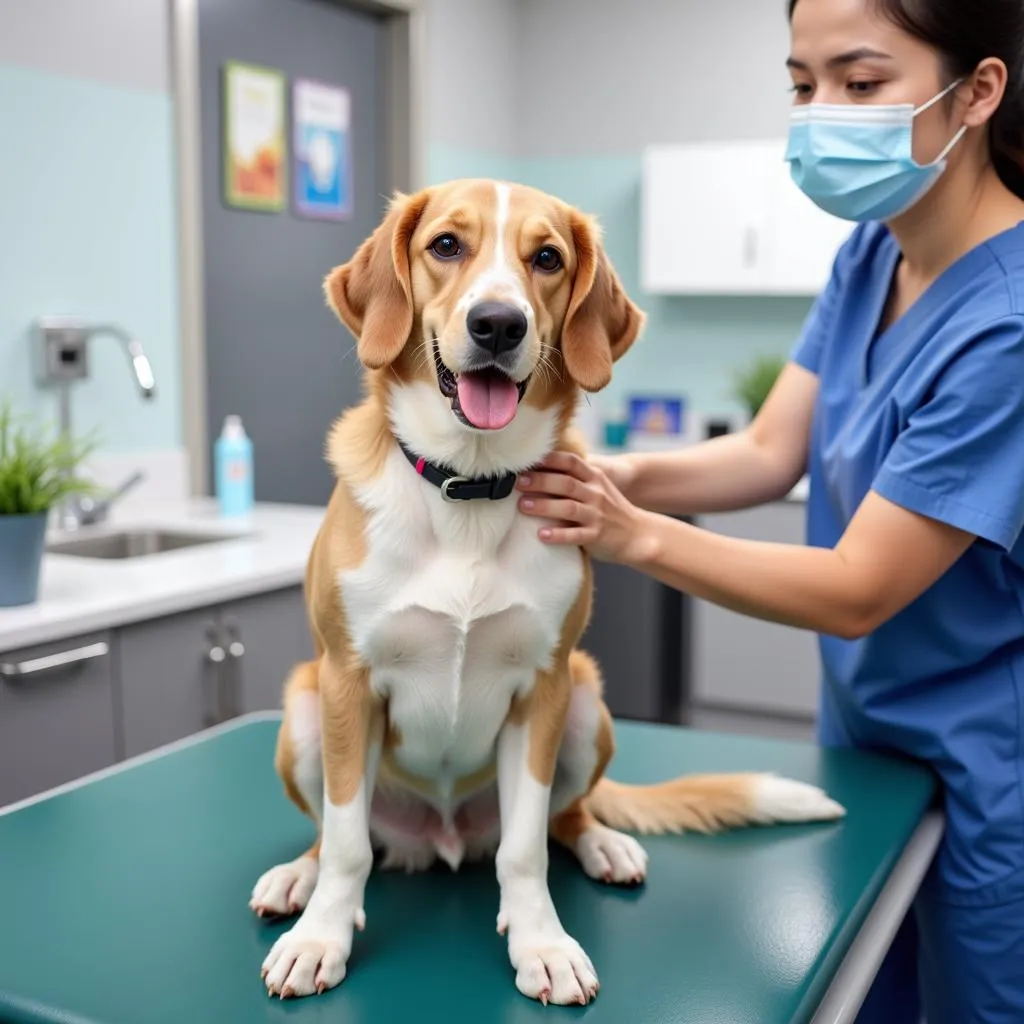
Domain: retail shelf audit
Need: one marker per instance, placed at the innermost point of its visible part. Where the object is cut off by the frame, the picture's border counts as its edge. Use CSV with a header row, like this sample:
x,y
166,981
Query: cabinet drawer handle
x,y
20,669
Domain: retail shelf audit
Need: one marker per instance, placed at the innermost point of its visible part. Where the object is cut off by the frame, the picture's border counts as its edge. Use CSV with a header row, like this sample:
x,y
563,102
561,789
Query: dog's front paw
x,y
553,968
312,956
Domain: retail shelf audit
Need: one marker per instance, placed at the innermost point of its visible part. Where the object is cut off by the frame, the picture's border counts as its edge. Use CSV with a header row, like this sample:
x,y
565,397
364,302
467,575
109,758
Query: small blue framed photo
x,y
656,414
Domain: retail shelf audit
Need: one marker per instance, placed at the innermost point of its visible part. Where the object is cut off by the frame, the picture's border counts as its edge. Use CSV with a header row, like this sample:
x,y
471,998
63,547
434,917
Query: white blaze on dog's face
x,y
475,269
498,295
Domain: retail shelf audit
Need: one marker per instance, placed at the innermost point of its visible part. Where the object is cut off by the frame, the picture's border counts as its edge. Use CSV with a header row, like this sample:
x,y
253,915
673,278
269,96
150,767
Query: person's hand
x,y
620,469
588,509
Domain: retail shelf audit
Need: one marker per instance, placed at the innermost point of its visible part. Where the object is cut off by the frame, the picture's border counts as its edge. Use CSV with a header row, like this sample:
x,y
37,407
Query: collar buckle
x,y
453,482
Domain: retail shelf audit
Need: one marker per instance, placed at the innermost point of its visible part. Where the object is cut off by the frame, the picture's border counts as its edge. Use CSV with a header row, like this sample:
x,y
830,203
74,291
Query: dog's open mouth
x,y
486,399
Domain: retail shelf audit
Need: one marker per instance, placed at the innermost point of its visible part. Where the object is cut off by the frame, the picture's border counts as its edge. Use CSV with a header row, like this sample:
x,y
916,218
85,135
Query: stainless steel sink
x,y
133,543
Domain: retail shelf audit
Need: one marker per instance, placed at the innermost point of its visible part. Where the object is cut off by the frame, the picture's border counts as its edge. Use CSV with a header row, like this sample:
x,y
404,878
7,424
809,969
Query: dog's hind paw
x,y
610,856
285,889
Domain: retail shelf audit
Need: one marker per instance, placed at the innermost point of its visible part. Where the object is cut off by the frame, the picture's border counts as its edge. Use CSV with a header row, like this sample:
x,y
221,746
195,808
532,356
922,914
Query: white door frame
x,y
405,159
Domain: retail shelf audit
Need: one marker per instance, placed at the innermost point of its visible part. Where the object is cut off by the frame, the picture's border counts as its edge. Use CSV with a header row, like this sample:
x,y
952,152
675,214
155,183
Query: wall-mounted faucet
x,y
61,352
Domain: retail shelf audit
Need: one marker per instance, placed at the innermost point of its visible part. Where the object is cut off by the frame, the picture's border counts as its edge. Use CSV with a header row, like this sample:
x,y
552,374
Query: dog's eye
x,y
446,247
548,259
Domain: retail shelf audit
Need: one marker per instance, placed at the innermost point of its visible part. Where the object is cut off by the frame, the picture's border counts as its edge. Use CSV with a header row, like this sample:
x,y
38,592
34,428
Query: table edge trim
x,y
853,979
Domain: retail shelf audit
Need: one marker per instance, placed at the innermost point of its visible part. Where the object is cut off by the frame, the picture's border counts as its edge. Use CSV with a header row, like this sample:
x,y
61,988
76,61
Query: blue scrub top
x,y
929,413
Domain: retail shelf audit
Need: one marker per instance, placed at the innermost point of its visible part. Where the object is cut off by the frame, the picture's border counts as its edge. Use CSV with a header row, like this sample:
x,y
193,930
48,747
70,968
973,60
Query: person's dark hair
x,y
965,32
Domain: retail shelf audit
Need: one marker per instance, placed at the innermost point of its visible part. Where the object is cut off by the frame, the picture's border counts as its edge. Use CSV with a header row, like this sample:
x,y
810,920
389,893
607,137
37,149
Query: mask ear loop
x,y
963,128
938,96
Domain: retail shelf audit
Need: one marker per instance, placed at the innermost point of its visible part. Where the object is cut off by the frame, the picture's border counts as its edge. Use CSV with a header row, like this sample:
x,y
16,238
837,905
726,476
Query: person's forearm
x,y
720,475
811,588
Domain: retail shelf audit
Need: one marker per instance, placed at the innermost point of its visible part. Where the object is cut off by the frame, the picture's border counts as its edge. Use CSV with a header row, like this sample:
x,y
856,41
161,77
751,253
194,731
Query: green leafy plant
x,y
36,470
754,381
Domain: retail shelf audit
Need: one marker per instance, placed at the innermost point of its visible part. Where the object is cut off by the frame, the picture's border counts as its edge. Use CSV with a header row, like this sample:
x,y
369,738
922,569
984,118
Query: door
x,y
275,354
56,714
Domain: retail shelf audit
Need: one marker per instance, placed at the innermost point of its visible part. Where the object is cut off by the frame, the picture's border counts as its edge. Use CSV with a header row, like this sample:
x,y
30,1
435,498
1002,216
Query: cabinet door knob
x,y
48,662
214,657
234,683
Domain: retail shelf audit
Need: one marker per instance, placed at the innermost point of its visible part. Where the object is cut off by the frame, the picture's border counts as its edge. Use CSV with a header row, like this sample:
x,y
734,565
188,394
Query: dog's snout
x,y
496,326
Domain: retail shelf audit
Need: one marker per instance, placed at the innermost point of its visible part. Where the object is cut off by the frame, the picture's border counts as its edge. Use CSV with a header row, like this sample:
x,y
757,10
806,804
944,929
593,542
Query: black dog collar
x,y
461,488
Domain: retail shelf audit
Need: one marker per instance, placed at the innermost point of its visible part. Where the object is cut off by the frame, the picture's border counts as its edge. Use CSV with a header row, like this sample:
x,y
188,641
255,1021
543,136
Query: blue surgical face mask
x,y
856,161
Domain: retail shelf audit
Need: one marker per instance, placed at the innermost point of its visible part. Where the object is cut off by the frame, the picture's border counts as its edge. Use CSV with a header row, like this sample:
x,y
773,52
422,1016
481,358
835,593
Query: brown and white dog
x,y
448,712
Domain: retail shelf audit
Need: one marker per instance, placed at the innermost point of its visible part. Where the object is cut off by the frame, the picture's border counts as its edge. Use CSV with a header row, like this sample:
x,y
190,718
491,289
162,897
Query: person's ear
x,y
983,91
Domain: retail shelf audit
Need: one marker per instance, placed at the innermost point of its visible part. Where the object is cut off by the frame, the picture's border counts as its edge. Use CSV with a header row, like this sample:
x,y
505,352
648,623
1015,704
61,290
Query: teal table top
x,y
125,900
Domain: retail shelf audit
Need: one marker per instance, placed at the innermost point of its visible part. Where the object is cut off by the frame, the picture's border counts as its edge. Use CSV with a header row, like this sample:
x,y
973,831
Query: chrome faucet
x,y
85,510
61,349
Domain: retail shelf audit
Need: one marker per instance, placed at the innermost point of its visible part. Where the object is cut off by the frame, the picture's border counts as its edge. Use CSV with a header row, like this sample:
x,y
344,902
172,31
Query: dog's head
x,y
488,306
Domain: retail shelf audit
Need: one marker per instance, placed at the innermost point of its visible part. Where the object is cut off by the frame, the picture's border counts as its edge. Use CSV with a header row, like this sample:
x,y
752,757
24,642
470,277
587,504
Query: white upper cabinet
x,y
725,218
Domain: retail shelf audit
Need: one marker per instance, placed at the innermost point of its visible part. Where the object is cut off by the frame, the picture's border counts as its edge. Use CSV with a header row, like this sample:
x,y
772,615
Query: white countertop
x,y
267,550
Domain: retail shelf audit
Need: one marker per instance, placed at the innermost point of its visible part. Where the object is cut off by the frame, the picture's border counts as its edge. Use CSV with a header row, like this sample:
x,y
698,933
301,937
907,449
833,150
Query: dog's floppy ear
x,y
601,322
372,293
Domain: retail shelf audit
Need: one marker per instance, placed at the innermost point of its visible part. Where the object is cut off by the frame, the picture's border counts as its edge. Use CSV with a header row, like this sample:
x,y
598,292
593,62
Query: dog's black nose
x,y
496,326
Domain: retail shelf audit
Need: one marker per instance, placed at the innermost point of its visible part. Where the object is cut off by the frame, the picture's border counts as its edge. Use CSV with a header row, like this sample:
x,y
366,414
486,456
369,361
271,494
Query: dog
x,y
448,712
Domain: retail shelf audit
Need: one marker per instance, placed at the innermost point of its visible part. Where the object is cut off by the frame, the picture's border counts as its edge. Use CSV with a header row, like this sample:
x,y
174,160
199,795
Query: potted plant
x,y
36,473
754,381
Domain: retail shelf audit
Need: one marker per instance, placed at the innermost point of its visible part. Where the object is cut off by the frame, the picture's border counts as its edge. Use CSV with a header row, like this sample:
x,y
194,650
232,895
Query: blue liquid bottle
x,y
233,469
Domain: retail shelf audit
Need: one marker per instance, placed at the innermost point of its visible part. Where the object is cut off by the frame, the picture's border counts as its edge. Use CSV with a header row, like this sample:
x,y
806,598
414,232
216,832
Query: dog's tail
x,y
709,803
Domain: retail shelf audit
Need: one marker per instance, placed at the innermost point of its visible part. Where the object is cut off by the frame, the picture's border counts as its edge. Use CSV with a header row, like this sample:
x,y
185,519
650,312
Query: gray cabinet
x,y
639,635
71,707
186,672
745,664
170,680
57,719
273,635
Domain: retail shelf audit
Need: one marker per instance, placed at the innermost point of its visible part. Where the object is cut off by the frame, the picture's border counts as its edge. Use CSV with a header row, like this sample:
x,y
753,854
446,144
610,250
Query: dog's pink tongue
x,y
488,400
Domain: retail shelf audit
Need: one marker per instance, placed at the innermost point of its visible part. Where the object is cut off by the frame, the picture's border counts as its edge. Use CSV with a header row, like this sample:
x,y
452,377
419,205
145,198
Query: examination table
x,y
123,899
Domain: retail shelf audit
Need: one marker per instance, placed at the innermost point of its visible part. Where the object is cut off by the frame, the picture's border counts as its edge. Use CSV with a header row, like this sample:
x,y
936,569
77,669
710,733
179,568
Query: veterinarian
x,y
904,400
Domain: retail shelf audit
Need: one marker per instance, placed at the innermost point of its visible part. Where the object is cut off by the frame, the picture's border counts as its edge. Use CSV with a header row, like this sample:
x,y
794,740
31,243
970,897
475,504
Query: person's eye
x,y
446,247
863,88
802,90
548,259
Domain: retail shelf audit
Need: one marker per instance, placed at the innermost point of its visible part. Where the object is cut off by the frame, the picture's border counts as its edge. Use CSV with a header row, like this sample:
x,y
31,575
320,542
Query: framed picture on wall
x,y
255,141
321,147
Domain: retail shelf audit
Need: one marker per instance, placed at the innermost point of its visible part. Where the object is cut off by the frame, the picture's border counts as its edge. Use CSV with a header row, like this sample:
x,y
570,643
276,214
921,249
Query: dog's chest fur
x,y
454,609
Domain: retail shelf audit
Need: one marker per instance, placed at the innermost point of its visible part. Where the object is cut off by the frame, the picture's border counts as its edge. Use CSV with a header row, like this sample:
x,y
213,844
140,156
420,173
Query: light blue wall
x,y
447,162
691,345
87,227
